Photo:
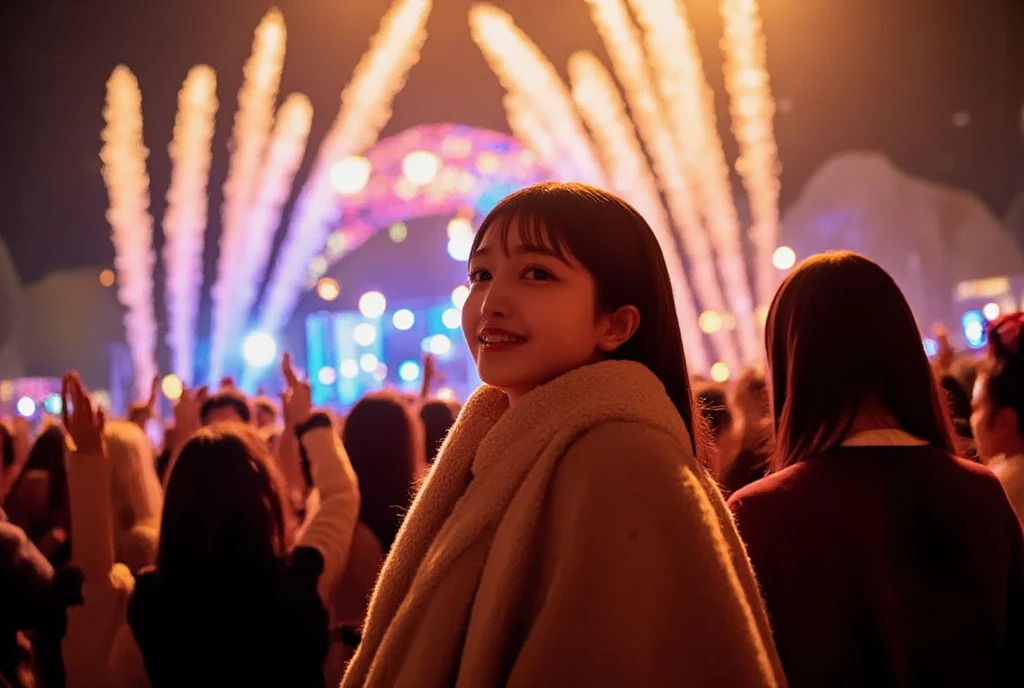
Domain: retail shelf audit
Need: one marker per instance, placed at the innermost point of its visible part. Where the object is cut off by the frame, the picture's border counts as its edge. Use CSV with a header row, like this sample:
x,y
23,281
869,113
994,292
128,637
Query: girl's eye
x,y
538,274
479,275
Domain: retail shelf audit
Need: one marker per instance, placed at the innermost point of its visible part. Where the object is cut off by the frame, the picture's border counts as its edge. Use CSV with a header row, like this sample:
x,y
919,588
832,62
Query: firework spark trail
x,y
676,63
284,155
528,127
525,72
623,43
253,120
185,219
753,108
124,172
605,114
365,109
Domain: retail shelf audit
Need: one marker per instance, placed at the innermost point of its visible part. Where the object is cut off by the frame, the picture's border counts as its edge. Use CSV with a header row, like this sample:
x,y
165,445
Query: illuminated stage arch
x,y
475,168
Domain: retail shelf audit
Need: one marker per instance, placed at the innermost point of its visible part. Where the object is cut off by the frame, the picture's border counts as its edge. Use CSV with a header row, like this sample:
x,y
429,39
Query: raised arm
x,y
331,529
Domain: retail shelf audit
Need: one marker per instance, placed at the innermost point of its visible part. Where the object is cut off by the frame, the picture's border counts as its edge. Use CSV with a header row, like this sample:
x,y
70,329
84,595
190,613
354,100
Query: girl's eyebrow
x,y
523,251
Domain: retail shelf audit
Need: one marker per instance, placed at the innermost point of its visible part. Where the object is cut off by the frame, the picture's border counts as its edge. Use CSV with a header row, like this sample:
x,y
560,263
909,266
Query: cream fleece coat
x,y
570,540
1010,471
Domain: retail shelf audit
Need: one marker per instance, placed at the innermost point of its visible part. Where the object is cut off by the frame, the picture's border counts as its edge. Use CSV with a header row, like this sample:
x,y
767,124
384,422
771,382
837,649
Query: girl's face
x,y
530,316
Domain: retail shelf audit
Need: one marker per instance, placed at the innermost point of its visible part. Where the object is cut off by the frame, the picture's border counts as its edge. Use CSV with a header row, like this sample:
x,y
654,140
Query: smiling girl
x,y
568,534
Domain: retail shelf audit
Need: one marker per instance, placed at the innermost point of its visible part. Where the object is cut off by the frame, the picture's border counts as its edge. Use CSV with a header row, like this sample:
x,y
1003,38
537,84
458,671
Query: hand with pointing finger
x,y
84,424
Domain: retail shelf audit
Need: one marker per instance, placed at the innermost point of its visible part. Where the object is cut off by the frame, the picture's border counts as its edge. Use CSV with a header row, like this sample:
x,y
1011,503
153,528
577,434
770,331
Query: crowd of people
x,y
594,515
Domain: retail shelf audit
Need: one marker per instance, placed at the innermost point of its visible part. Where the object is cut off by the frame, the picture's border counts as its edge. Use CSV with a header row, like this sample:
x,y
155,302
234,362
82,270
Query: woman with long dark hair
x,y
568,533
884,559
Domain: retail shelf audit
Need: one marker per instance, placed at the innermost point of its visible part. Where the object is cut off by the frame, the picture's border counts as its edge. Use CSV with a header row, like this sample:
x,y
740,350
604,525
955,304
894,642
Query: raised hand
x,y
297,398
142,411
84,423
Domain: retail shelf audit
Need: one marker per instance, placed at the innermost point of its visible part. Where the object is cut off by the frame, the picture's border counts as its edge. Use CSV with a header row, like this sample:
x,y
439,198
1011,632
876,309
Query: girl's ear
x,y
616,328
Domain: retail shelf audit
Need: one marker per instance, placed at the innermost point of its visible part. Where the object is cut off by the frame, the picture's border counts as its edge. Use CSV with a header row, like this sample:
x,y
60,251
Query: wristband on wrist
x,y
317,420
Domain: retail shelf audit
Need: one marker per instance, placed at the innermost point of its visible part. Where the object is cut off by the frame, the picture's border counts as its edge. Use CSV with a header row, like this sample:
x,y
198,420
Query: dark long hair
x,y
385,443
614,243
840,334
223,507
48,454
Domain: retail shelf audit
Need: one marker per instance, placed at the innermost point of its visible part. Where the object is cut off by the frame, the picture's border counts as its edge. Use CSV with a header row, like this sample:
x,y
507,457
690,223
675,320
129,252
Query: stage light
x,y
398,231
327,375
6,390
350,176
720,372
372,304
53,404
420,167
931,347
172,387
409,371
349,368
974,329
327,289
452,318
709,322
403,319
446,394
459,296
459,226
26,407
440,345
364,334
101,398
784,258
107,278
380,373
259,349
368,362
991,311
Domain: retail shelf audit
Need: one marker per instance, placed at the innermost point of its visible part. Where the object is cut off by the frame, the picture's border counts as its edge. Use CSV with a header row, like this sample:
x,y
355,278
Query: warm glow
x,y
459,295
720,372
327,289
372,304
420,167
459,247
710,322
107,278
784,258
350,176
460,227
446,394
6,390
398,232
172,387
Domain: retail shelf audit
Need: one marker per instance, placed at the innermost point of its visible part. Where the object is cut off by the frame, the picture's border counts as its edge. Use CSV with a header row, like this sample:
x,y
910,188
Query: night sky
x,y
886,75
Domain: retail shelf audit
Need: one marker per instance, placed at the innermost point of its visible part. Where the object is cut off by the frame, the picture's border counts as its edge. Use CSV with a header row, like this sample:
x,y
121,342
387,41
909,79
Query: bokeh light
x,y
446,394
368,362
403,319
459,247
172,387
349,176
26,407
452,318
409,371
440,345
784,258
6,390
398,232
720,372
931,347
364,334
327,289
420,167
259,349
372,304
349,368
991,311
459,226
459,296
709,322
107,278
327,375
974,329
53,404
380,373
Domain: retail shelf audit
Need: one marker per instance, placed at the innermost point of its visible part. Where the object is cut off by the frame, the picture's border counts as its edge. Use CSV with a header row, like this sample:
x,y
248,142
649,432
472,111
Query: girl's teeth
x,y
501,339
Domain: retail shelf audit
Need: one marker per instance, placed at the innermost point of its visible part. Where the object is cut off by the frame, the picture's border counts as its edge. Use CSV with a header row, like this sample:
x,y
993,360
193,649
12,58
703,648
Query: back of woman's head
x,y
48,455
438,416
224,505
384,441
840,335
6,447
135,489
614,243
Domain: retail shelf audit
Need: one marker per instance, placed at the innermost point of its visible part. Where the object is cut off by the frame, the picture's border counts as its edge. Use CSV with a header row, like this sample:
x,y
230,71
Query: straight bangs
x,y
538,226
